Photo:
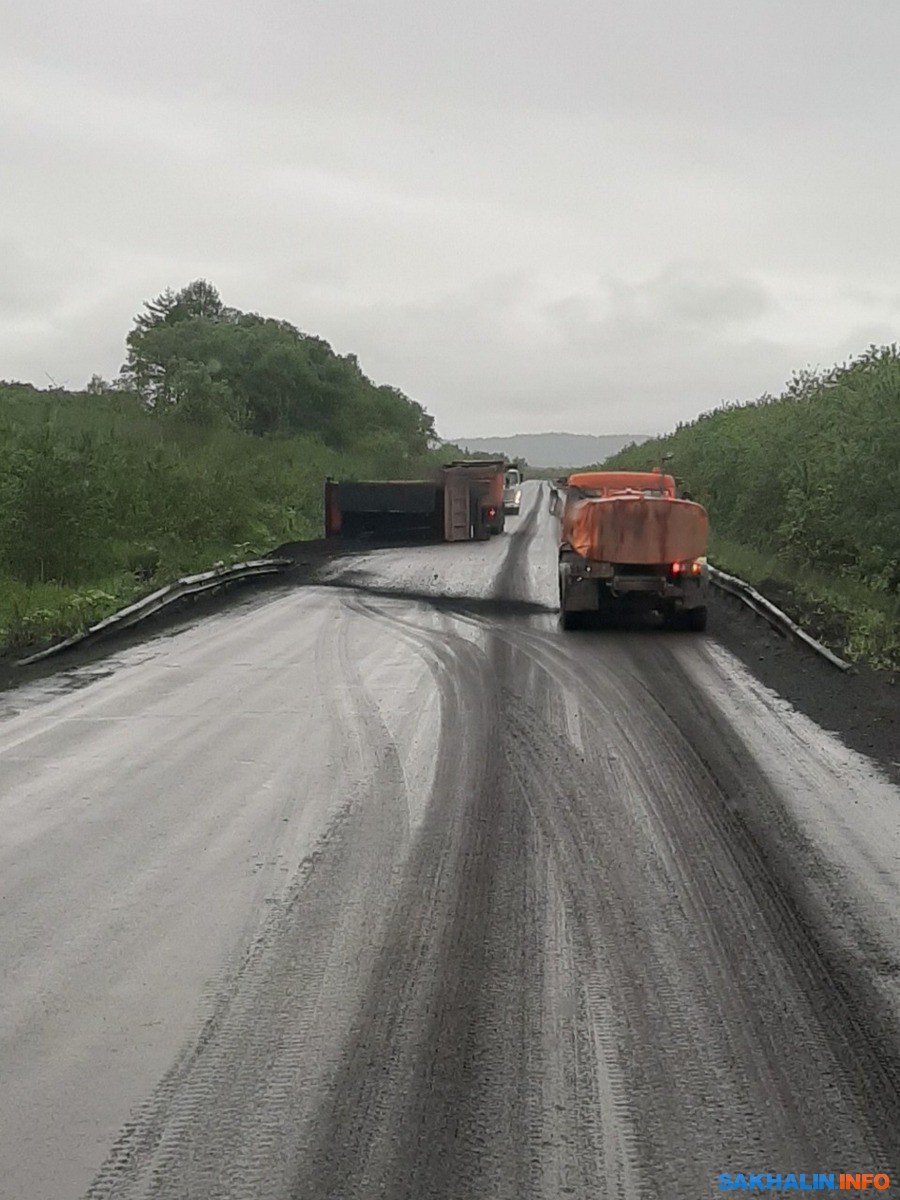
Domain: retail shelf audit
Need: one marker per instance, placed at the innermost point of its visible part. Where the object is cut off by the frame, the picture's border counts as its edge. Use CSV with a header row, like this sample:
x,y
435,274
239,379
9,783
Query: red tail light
x,y
686,568
492,512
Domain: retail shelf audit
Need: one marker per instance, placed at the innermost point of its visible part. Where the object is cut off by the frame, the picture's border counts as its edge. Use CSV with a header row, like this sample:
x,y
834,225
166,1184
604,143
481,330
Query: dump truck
x,y
462,502
628,543
489,474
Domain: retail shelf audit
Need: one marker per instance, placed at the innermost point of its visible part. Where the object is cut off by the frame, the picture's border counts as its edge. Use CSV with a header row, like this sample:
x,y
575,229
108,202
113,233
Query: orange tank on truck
x,y
628,542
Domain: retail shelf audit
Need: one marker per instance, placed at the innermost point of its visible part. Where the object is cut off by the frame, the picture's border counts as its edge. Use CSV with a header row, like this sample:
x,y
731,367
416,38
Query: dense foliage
x,y
812,476
190,355
213,444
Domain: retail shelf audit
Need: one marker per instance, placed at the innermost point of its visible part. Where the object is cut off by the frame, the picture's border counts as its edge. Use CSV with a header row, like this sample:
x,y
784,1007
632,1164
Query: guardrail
x,y
188,585
769,612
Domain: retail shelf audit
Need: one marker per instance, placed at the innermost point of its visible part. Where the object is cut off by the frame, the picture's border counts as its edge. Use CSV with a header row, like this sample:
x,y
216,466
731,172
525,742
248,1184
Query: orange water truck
x,y
628,543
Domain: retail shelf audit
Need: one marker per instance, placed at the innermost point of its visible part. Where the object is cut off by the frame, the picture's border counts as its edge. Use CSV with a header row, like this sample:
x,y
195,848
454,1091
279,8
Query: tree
x,y
188,352
202,400
157,311
198,299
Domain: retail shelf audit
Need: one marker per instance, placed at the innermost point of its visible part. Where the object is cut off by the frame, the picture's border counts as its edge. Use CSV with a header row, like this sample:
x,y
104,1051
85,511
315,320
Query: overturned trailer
x,y
381,507
463,502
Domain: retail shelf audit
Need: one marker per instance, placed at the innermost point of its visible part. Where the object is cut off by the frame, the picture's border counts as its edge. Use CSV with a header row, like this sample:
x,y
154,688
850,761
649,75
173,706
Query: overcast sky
x,y
574,214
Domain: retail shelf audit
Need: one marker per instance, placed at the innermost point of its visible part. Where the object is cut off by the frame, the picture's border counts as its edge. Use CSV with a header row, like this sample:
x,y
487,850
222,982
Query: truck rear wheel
x,y
693,619
568,620
696,619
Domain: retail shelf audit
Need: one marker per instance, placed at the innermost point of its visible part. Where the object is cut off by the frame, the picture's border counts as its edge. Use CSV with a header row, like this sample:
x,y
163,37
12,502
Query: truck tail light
x,y
675,569
695,568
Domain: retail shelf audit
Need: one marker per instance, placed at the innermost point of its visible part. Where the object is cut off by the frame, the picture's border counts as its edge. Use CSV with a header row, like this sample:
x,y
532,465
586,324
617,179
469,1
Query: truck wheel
x,y
696,619
568,620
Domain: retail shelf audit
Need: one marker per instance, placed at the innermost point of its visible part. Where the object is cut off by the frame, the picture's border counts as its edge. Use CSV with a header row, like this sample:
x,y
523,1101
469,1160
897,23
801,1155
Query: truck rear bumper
x,y
586,587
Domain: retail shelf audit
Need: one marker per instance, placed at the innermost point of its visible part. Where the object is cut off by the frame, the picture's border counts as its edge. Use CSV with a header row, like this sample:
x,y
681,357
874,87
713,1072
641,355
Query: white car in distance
x,y
512,492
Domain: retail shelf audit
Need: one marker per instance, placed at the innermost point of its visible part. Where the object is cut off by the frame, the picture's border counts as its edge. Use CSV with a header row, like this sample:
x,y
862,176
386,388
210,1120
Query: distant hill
x,y
552,449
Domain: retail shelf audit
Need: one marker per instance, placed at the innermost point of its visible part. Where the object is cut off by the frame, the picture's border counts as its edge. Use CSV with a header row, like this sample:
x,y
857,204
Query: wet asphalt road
x,y
389,888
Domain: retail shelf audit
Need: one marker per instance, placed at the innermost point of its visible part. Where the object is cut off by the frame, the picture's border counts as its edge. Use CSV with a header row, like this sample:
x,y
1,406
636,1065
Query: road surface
x,y
389,888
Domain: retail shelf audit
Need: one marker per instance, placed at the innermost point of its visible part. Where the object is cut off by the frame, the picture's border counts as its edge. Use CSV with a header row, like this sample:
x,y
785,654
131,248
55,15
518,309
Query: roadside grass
x,y
858,622
34,613
101,504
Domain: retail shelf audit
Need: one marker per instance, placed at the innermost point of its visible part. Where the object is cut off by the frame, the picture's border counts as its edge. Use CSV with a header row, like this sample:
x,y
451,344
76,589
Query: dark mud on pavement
x,y
861,706
540,919
357,581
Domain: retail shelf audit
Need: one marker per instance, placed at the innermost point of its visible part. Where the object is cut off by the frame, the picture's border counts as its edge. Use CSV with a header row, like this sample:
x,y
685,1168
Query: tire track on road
x,y
227,1118
583,971
712,920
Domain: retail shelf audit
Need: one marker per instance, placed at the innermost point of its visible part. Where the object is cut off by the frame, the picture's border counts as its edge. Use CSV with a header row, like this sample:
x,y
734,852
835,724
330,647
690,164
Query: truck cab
x,y
512,491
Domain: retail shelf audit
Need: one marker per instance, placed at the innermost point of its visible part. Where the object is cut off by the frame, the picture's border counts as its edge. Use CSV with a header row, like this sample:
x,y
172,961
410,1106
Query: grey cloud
x,y
599,364
762,59
683,298
586,211
698,296
37,282
26,286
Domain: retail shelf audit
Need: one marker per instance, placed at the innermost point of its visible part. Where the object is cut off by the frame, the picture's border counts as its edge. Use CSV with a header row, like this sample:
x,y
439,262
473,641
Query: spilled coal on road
x,y
386,887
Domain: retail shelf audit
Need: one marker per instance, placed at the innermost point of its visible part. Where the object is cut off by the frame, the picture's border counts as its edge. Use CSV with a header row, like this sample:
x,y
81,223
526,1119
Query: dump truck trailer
x,y
382,508
461,503
627,543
